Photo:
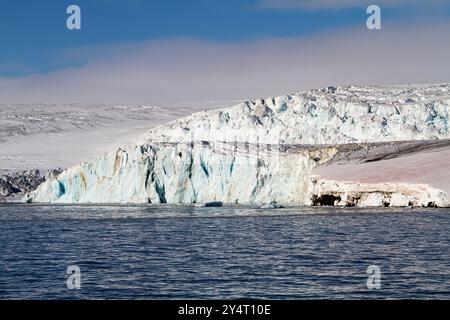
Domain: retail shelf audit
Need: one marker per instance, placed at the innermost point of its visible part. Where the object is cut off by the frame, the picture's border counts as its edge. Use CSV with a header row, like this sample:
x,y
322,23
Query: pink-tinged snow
x,y
430,166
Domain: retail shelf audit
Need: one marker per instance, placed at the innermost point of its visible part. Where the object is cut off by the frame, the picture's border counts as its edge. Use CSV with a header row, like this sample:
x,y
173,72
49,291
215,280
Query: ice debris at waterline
x,y
266,151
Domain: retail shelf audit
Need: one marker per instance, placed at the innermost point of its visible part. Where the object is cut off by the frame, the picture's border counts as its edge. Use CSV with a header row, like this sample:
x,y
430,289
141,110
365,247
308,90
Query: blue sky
x,y
33,33
35,41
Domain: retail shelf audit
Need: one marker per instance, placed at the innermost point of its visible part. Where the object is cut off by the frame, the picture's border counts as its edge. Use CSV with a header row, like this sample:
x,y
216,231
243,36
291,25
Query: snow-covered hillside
x,y
256,152
48,136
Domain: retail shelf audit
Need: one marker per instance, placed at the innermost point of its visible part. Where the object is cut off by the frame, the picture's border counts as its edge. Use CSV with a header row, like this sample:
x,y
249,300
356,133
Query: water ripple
x,y
168,252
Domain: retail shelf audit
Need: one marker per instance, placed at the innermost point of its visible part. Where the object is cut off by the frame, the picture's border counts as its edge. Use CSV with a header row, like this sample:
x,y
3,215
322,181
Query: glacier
x,y
264,152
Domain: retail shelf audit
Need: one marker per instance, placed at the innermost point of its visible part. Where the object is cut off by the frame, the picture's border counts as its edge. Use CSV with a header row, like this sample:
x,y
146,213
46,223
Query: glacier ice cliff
x,y
187,174
263,151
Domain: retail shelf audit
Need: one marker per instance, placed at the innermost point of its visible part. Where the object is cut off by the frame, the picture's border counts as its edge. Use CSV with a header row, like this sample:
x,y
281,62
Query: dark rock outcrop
x,y
18,183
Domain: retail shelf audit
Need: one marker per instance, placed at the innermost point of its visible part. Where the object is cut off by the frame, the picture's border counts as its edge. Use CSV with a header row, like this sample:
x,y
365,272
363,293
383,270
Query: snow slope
x,y
47,136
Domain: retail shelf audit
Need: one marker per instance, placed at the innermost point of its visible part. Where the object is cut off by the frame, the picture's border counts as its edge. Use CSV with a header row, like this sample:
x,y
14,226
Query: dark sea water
x,y
181,252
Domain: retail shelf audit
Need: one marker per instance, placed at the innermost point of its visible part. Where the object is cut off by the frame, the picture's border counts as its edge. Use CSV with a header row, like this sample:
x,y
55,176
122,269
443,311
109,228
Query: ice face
x,y
162,174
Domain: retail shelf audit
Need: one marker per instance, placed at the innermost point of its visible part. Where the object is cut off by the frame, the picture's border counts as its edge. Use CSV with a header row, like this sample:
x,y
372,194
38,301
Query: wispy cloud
x,y
170,71
13,68
344,4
